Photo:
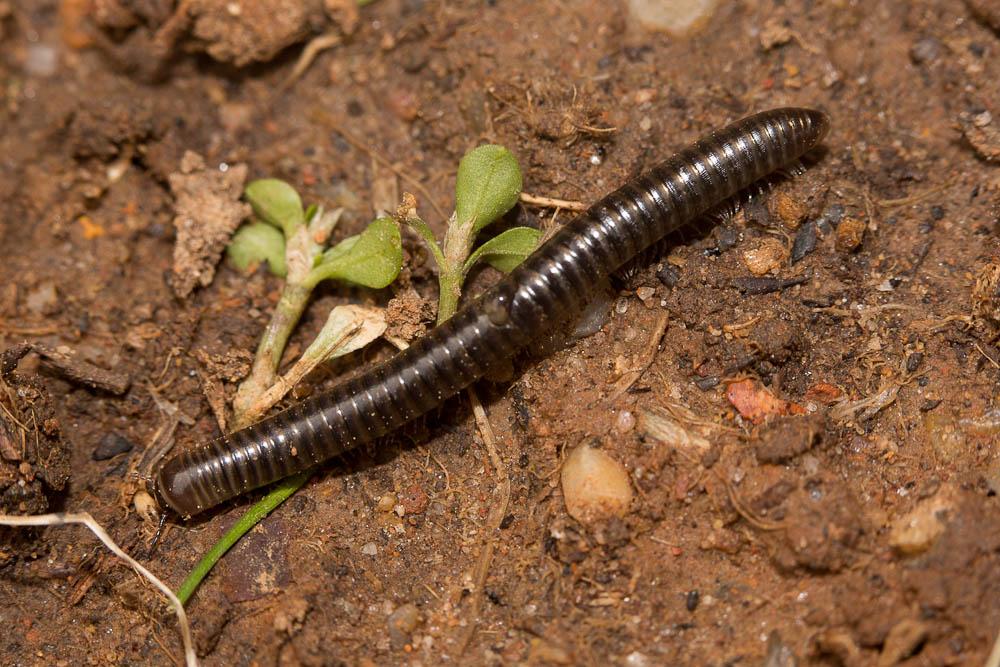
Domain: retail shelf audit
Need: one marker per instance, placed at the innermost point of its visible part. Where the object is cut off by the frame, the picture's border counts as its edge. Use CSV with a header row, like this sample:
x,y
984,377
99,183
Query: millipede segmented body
x,y
547,289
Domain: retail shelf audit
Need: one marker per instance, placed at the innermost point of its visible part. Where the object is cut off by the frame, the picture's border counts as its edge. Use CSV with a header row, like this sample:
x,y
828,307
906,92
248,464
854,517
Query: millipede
x,y
546,290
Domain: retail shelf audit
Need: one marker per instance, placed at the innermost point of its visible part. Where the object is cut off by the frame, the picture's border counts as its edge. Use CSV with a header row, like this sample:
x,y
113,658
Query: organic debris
x,y
34,459
757,403
207,211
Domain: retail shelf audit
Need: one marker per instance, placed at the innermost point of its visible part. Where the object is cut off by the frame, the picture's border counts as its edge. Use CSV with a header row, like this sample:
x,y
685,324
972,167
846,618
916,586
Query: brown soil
x,y
779,540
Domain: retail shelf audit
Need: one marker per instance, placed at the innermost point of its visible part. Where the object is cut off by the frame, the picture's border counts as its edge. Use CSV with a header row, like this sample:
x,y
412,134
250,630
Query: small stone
x,y
926,50
110,446
850,233
595,486
668,276
805,241
625,422
402,623
369,549
676,17
726,237
403,104
766,256
386,502
43,300
646,295
916,532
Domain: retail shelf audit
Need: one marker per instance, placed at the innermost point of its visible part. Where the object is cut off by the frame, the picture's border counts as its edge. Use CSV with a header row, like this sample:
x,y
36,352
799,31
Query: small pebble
x,y
402,623
42,60
387,502
625,422
43,299
805,241
646,295
110,446
369,549
925,51
726,238
668,275
707,383
595,486
676,17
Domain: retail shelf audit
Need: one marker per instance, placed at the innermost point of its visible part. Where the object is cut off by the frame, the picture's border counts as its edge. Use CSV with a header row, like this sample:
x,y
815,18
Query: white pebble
x,y
595,486
677,17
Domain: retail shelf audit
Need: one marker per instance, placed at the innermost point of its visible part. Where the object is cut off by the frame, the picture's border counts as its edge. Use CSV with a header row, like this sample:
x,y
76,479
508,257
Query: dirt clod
x,y
207,211
850,233
788,437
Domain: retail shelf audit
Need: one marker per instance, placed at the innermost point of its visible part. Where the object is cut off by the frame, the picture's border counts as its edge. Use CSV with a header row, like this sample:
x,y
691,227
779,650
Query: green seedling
x,y
293,243
487,186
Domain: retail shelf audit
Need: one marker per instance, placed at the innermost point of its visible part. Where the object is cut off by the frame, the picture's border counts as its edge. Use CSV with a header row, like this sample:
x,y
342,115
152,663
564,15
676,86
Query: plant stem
x,y
292,303
257,511
450,288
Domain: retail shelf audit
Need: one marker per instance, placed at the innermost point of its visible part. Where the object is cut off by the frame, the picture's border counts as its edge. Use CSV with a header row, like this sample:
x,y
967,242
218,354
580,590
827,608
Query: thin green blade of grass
x,y
253,516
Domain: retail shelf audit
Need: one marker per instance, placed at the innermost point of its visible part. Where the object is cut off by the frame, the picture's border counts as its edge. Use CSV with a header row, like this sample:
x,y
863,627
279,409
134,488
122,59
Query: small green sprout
x,y
372,258
293,242
487,186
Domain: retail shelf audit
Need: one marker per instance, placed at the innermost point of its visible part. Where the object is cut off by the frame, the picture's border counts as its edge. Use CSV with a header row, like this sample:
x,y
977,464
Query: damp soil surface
x,y
804,396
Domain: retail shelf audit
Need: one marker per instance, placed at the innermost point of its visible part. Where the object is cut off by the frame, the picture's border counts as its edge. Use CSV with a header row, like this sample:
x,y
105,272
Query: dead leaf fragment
x,y
756,403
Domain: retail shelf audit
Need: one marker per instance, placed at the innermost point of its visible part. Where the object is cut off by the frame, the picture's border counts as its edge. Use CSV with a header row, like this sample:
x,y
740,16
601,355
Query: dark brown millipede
x,y
546,290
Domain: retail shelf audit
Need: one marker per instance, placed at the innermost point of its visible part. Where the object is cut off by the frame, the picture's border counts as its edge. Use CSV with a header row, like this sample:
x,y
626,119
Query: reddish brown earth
x,y
767,543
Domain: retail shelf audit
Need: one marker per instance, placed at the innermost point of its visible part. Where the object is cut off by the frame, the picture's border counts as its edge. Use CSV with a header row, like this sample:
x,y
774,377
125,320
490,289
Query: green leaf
x,y
487,186
505,251
277,203
278,494
373,258
255,243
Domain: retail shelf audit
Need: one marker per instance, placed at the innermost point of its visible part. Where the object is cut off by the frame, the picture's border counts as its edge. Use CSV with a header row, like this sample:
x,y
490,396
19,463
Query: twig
x,y
315,46
494,520
648,356
329,121
743,510
912,199
16,330
84,518
552,202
